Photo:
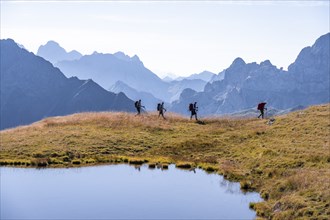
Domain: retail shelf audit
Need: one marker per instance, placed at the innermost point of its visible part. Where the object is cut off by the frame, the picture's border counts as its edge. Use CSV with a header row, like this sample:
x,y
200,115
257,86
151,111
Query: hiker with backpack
x,y
138,106
261,108
161,109
193,109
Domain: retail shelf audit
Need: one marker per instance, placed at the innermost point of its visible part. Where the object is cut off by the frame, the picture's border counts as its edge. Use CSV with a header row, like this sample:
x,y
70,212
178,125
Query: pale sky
x,y
177,37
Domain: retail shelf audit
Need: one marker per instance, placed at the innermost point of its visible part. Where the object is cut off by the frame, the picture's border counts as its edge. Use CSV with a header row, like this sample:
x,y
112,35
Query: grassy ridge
x,y
287,162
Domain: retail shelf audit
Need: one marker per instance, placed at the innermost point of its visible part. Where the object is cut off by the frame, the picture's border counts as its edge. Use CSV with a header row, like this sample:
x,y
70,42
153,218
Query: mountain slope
x,y
107,69
31,89
54,53
148,100
205,76
243,86
177,86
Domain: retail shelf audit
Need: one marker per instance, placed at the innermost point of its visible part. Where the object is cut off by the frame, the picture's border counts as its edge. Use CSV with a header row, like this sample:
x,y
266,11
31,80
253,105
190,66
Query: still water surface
x,y
120,192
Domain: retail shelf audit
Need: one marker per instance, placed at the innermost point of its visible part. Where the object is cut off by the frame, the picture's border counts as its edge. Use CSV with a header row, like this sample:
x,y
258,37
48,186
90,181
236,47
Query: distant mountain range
x,y
54,53
148,100
107,69
205,76
32,88
243,85
176,87
238,88
119,72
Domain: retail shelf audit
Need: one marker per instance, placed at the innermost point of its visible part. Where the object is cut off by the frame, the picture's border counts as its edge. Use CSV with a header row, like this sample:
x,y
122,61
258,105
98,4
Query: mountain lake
x,y
121,192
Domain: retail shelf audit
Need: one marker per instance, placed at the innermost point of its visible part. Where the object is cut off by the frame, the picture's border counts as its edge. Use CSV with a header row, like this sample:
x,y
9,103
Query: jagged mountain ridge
x,y
54,53
242,85
148,100
31,89
177,86
107,69
205,76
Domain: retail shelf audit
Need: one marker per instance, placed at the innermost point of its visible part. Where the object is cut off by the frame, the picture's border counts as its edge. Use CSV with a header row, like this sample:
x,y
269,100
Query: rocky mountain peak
x,y
237,62
266,63
53,52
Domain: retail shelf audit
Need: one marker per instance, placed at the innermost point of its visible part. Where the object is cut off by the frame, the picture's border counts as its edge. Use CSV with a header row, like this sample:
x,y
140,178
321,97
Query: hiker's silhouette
x,y
261,108
161,110
138,106
193,109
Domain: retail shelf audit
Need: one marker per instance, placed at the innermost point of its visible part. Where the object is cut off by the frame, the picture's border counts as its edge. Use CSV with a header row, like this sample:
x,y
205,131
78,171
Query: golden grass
x,y
287,162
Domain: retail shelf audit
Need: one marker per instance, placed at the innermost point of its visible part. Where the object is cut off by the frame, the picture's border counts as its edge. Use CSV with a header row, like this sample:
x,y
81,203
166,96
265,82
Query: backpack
x,y
136,104
158,106
191,107
261,105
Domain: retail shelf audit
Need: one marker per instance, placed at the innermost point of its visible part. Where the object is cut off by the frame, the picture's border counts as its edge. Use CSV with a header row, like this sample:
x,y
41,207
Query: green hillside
x,y
288,162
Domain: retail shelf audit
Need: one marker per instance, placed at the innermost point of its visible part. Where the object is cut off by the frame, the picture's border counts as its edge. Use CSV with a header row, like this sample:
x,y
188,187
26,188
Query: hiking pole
x,y
145,110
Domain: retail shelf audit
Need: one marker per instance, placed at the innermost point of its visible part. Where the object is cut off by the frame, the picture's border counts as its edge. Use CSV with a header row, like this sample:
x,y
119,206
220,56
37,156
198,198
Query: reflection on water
x,y
120,192
230,187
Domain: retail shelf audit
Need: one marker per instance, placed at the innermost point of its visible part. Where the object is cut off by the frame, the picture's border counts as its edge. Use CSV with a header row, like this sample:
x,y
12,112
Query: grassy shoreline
x,y
288,162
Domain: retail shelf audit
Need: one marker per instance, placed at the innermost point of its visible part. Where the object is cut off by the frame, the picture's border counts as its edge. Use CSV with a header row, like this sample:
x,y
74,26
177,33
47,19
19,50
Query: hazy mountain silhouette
x,y
195,82
31,89
218,77
236,88
177,86
243,86
167,79
173,91
148,100
107,69
205,76
54,53
133,78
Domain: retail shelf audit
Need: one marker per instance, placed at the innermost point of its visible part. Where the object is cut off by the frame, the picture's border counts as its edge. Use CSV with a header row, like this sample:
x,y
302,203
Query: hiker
x,y
161,109
261,108
138,107
193,109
